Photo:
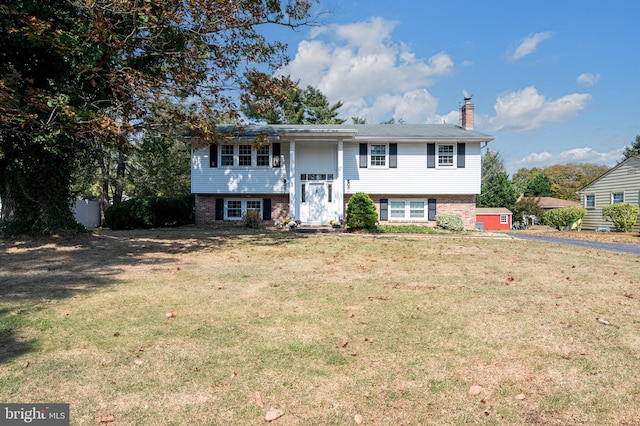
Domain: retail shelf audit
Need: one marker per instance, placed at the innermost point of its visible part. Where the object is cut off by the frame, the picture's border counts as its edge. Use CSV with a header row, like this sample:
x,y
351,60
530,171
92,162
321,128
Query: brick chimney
x,y
466,114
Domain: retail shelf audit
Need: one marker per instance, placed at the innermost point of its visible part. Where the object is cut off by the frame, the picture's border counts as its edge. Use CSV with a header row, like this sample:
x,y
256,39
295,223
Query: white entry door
x,y
317,199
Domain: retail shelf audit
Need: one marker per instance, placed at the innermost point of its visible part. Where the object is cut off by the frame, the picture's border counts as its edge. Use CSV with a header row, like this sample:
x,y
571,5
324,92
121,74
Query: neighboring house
x,y
621,184
309,172
493,218
546,204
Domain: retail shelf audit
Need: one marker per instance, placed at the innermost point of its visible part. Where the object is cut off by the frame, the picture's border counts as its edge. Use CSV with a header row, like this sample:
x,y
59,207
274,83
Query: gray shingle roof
x,y
434,132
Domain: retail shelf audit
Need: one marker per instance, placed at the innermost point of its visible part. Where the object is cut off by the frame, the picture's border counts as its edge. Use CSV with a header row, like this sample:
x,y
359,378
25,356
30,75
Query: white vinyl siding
x,y
230,178
412,175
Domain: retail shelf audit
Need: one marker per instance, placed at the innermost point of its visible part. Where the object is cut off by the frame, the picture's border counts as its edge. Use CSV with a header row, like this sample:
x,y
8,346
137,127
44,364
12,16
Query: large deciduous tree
x,y
78,79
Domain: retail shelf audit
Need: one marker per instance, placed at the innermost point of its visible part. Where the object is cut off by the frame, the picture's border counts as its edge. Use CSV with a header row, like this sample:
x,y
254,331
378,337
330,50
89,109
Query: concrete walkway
x,y
615,247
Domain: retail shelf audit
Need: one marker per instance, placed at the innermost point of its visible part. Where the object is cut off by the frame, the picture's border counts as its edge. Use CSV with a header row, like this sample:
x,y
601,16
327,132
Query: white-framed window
x,y
378,155
244,155
408,209
446,155
590,201
504,219
263,156
226,155
617,197
235,208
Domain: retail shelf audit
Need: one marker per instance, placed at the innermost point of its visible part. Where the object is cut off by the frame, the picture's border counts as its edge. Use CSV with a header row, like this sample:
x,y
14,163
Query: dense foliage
x,y
496,190
361,212
565,218
78,80
150,212
566,179
297,106
633,149
623,215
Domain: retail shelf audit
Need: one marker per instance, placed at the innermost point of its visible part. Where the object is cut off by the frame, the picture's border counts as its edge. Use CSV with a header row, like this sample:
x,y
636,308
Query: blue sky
x,y
554,81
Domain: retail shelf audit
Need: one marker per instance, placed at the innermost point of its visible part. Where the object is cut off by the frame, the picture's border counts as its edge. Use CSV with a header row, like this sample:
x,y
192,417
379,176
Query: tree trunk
x,y
103,184
118,186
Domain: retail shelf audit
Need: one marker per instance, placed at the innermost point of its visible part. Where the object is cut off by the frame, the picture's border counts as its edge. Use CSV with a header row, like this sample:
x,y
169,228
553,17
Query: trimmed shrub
x,y
563,218
150,212
361,212
252,219
450,222
624,215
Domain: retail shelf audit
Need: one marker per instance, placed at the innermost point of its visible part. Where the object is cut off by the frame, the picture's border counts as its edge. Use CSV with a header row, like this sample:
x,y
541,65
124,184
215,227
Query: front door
x,y
317,202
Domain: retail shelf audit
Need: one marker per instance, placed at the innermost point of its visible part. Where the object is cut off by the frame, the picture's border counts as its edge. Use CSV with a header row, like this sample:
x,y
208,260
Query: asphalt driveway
x,y
615,247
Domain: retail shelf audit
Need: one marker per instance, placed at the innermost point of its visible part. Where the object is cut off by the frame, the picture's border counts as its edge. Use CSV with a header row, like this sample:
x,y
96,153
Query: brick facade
x,y
206,206
459,205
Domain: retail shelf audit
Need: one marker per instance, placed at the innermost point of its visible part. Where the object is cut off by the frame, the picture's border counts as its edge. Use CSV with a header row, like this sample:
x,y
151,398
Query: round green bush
x,y
361,212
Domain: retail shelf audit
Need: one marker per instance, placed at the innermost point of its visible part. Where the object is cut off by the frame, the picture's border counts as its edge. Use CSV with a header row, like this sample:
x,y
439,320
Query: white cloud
x,y
360,65
527,109
529,44
575,155
585,79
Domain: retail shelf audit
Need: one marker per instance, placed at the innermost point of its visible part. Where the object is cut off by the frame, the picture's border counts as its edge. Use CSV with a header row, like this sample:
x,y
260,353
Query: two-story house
x,y
308,172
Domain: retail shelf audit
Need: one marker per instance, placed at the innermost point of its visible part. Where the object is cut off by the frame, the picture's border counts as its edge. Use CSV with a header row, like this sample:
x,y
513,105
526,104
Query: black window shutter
x,y
213,155
431,209
275,155
461,151
219,209
393,155
431,155
266,209
384,209
363,156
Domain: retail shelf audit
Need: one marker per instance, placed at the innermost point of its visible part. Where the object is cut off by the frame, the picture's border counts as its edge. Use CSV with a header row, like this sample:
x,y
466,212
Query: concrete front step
x,y
317,229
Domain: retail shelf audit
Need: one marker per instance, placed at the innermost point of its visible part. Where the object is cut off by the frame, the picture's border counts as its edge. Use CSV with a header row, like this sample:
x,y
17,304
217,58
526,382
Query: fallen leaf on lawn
x,y
258,399
358,419
368,339
66,314
138,362
107,419
475,390
170,314
606,322
273,414
520,396
26,364
353,353
234,374
345,343
351,315
262,315
630,295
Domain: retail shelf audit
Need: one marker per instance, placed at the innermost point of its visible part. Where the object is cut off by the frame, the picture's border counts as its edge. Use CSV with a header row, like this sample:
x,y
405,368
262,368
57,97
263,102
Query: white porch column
x,y
293,193
340,178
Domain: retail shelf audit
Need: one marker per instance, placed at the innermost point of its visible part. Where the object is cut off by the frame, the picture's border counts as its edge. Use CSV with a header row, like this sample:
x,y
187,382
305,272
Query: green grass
x,y
395,328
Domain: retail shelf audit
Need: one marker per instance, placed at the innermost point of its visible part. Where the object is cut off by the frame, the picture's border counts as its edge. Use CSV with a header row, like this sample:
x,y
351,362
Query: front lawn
x,y
209,326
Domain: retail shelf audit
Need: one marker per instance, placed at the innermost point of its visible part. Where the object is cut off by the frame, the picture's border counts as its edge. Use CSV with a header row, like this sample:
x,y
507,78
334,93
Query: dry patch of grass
x,y
395,329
